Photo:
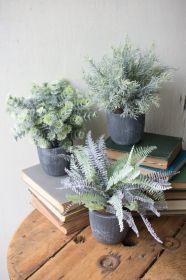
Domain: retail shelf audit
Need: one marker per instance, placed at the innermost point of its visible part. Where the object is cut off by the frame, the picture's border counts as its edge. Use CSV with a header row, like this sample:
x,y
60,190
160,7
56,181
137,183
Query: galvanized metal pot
x,y
105,228
52,160
125,131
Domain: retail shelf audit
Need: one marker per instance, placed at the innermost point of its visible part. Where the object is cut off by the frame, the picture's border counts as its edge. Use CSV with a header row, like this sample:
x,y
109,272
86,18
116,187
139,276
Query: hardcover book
x,y
175,166
48,187
67,228
168,147
176,205
70,215
170,195
178,182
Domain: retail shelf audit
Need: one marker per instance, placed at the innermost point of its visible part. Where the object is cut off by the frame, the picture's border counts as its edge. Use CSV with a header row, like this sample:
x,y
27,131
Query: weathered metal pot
x,y
52,160
125,131
105,228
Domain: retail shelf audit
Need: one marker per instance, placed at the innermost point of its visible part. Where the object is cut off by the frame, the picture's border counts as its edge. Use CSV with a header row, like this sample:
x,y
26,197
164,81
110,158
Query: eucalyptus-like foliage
x,y
53,115
118,187
127,82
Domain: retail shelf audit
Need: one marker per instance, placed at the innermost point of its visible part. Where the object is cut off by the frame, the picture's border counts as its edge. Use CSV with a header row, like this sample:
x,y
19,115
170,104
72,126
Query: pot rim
x,y
118,114
52,148
97,213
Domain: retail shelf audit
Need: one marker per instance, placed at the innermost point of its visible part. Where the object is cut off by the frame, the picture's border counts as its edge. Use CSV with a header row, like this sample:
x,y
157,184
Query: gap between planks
x,y
160,254
49,271
53,255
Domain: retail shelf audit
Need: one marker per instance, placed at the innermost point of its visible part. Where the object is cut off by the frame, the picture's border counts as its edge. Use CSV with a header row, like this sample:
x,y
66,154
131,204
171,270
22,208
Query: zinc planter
x,y
52,161
125,131
105,228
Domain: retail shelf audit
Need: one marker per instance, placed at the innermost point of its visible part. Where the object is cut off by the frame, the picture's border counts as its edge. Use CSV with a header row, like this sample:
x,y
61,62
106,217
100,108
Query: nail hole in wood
x,y
130,242
171,243
141,256
108,262
79,239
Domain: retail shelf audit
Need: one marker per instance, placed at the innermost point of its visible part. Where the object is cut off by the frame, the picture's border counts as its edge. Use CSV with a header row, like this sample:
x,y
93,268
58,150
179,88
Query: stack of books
x,y
169,156
48,197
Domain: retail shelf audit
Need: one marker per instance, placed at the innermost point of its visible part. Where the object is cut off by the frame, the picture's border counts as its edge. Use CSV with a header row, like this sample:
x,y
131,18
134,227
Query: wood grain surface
x,y
39,251
35,241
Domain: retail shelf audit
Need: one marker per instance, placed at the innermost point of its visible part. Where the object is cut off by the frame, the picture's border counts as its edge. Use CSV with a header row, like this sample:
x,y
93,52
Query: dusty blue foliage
x,y
117,187
127,82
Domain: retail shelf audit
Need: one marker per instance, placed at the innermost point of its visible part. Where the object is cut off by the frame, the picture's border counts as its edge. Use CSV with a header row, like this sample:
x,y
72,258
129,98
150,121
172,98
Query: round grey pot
x,y
52,160
125,131
105,228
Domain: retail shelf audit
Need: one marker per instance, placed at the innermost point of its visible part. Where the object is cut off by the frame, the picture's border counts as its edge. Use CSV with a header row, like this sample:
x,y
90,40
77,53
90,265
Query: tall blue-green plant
x,y
118,187
53,115
127,82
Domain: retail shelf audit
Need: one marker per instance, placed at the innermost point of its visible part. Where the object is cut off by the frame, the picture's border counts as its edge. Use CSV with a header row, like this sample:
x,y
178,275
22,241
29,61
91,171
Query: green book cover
x,y
180,177
178,181
166,145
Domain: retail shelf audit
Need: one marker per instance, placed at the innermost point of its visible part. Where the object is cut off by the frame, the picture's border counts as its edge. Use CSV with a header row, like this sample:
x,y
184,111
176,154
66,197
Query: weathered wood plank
x,y
172,263
33,244
79,261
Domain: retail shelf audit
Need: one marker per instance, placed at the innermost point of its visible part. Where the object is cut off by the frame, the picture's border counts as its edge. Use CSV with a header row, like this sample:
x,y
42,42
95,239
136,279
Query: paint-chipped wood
x,y
43,255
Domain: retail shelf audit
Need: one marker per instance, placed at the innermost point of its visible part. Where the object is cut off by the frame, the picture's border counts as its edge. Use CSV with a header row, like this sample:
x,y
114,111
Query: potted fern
x,y
126,85
112,191
53,116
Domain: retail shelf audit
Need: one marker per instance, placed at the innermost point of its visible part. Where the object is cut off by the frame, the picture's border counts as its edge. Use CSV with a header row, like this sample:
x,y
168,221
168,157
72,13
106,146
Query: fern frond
x,y
149,185
160,205
99,186
88,199
150,229
116,202
140,153
94,206
84,164
130,156
161,177
102,149
140,196
119,176
80,185
127,216
117,165
148,206
97,160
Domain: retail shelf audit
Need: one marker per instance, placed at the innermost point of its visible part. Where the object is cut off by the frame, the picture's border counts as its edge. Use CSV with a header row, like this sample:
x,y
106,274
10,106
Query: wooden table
x,y
40,251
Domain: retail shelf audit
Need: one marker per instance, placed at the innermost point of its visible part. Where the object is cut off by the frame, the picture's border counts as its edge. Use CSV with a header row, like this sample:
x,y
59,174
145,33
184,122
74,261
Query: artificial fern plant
x,y
127,82
117,187
53,115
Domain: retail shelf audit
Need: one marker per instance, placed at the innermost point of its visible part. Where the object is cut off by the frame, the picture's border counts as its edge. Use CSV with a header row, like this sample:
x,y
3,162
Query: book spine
x,y
79,225
43,198
33,186
175,195
151,162
37,205
80,222
63,218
